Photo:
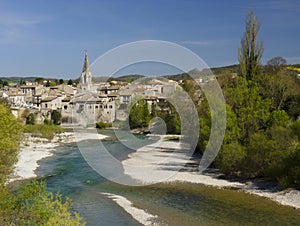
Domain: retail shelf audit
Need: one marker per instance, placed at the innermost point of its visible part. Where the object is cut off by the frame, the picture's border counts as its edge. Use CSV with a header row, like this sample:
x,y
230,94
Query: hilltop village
x,y
88,100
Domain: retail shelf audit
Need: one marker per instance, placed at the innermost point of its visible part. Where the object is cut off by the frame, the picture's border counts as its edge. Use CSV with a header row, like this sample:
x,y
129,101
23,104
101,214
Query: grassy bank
x,y
43,131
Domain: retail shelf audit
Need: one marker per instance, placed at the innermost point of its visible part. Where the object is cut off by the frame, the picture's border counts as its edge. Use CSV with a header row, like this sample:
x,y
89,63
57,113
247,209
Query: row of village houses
x,y
102,102
88,102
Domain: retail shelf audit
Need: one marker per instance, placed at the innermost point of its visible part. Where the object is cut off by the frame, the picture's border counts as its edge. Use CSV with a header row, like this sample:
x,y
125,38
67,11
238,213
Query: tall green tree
x,y
251,109
61,81
47,83
171,119
39,80
275,64
56,117
205,125
10,136
139,115
251,50
70,82
281,87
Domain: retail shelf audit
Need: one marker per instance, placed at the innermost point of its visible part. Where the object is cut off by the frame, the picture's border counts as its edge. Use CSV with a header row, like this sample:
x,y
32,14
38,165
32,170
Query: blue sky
x,y
48,38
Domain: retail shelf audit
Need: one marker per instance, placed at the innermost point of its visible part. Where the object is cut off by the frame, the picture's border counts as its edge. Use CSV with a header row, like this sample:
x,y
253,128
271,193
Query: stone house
x,y
51,103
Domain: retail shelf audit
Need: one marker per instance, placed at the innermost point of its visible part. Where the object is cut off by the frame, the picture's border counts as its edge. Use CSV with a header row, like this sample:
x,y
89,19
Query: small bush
x,y
103,125
47,122
31,119
172,138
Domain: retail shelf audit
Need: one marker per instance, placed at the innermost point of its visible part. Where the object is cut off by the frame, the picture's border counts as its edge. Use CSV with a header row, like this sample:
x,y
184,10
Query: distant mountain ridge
x,y
15,78
129,78
18,79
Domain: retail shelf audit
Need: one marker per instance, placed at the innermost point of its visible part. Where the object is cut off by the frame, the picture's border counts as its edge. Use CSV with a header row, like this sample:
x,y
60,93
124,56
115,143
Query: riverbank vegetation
x,y
43,130
263,125
262,136
47,130
30,203
103,125
10,137
139,116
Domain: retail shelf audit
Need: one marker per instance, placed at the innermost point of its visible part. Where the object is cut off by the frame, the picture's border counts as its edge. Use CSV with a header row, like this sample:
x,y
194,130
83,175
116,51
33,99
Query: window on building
x,y
110,106
46,105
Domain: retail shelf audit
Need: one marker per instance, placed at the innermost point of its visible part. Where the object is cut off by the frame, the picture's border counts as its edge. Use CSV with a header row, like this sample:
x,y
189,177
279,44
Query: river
x,y
174,204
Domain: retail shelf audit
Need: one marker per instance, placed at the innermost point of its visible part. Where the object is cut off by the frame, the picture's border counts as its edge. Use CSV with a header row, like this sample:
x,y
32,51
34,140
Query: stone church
x,y
88,105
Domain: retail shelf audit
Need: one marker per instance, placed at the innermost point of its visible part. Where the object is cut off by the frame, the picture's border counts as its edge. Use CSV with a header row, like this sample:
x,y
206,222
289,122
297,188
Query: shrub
x,y
32,204
287,170
47,122
230,159
43,131
296,128
31,119
103,125
56,117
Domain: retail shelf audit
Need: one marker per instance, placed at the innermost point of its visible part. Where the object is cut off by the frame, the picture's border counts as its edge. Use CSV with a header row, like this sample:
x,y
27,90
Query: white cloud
x,y
19,19
14,27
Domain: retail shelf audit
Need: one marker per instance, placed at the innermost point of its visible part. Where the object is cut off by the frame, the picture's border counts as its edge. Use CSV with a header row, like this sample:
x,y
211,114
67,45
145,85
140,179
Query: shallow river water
x,y
174,204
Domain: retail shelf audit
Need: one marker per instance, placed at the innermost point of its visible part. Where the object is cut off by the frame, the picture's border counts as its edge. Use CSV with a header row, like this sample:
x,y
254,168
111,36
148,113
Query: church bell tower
x,y
86,75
